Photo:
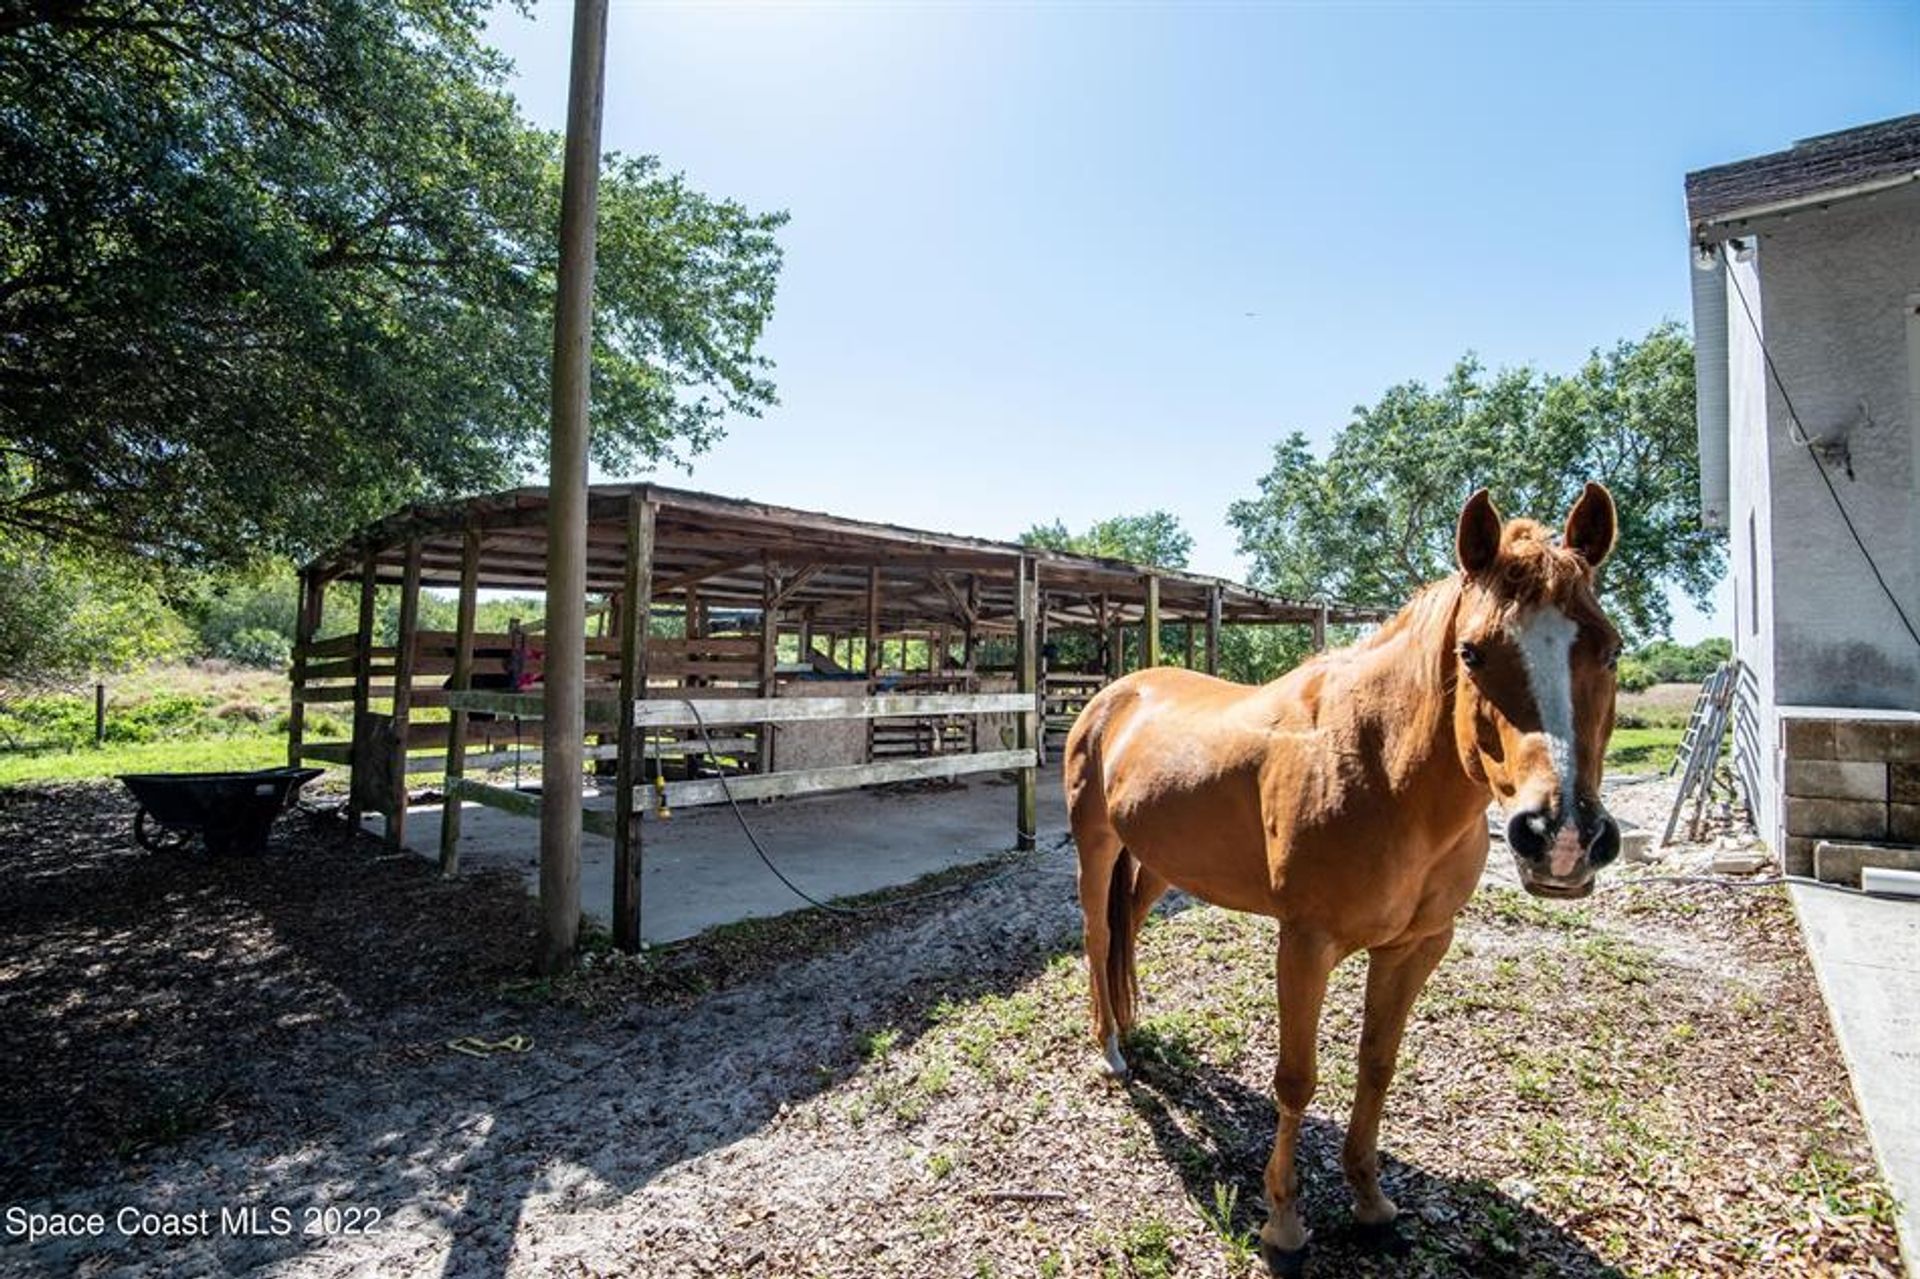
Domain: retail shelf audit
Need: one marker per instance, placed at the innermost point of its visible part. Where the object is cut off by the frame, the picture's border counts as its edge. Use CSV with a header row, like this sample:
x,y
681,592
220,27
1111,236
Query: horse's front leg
x,y
1300,972
1395,975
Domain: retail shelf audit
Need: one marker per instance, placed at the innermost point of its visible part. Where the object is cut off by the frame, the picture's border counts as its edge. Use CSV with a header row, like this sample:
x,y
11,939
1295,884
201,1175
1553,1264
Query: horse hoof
x,y
1114,1065
1284,1263
1382,1237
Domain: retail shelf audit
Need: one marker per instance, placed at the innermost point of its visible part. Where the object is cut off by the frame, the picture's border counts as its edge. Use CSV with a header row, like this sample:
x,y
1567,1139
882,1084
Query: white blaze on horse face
x,y
1545,639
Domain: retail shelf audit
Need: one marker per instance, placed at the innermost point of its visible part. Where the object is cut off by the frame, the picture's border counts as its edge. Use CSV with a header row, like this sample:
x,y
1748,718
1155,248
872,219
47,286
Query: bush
x,y
1664,662
257,647
1635,676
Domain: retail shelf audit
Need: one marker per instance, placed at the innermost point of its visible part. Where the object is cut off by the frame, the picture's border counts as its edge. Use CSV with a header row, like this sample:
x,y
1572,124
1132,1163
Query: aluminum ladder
x,y
1699,752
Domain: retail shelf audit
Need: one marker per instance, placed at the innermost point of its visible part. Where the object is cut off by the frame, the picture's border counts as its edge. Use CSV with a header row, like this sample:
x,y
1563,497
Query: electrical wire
x,y
1799,436
832,908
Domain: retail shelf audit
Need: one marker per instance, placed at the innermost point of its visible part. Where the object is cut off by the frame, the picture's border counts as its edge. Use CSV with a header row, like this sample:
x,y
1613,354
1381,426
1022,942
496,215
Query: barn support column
x,y
403,663
636,599
1213,630
1027,608
462,681
313,596
1191,651
362,684
1320,629
564,725
1150,650
769,655
1040,681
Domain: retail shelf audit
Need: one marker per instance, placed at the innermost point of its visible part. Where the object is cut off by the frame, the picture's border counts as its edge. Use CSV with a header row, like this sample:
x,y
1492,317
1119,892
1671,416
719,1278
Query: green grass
x,y
179,755
1643,750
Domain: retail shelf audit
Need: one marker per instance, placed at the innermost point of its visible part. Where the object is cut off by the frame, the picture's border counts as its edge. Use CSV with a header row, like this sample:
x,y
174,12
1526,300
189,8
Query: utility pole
x,y
564,727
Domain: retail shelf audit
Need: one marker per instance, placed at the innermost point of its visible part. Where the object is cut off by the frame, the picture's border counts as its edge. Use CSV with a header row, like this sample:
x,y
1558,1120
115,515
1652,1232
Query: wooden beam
x,y
403,693
637,598
560,823
813,781
1150,650
872,658
362,685
313,594
1026,816
693,577
457,718
1213,630
522,804
671,712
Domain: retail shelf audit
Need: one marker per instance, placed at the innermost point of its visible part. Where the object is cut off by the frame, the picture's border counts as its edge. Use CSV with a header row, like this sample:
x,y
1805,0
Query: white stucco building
x,y
1806,307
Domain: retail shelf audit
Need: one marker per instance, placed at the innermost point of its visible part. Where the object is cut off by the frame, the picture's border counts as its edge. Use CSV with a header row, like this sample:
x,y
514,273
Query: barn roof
x,y
724,548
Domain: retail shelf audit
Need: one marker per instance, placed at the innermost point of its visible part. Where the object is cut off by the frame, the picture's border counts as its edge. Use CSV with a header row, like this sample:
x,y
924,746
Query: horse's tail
x,y
1123,981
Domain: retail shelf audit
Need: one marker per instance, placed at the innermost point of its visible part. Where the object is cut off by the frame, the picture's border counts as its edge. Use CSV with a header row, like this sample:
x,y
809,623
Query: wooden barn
x,y
736,651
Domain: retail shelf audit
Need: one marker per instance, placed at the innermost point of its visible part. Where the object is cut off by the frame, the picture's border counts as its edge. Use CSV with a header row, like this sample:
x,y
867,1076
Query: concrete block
x,y
1796,858
1903,783
1836,818
1840,863
1740,861
1636,845
1808,738
1837,779
1903,823
1890,740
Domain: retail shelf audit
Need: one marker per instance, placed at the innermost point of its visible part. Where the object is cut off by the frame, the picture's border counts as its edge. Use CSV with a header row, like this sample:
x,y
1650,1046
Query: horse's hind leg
x,y
1105,884
1395,976
1100,856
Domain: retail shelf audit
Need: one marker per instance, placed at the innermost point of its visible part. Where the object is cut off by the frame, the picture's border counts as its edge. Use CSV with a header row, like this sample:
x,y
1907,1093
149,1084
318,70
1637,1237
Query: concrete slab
x,y
698,869
1866,953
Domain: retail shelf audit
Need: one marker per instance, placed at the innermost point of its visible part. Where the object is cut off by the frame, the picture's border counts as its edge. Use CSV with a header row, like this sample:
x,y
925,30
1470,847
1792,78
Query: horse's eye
x,y
1613,659
1471,657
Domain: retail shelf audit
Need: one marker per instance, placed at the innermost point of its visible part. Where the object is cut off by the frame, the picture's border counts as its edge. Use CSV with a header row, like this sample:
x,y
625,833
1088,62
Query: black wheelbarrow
x,y
231,811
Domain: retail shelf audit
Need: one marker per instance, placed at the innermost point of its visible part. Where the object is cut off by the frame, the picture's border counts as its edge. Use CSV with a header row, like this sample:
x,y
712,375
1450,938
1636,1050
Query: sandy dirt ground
x,y
1643,1083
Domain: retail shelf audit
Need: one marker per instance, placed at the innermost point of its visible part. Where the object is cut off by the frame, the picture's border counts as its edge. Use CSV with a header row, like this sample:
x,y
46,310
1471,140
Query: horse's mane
x,y
1531,568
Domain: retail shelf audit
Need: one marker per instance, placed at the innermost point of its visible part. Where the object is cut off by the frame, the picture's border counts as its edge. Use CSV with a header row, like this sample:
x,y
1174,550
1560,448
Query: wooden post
x,y
1117,651
457,720
1320,629
1042,665
1027,604
1103,636
306,624
564,674
362,682
637,600
1150,649
1214,604
1192,650
403,664
100,715
769,657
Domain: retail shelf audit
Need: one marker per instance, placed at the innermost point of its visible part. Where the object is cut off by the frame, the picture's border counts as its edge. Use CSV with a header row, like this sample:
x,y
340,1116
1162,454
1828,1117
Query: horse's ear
x,y
1477,541
1592,525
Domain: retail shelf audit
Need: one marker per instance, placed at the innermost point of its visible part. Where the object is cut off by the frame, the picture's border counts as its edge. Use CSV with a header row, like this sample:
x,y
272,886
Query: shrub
x,y
257,647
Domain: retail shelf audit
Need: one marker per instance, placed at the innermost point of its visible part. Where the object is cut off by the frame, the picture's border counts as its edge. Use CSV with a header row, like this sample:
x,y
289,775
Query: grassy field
x,y
200,718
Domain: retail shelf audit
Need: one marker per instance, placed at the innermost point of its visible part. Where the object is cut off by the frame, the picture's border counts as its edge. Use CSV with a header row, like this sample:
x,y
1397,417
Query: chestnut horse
x,y
1348,800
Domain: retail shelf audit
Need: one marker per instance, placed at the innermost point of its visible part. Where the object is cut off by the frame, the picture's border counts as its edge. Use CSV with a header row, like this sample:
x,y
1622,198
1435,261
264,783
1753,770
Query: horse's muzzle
x,y
1557,859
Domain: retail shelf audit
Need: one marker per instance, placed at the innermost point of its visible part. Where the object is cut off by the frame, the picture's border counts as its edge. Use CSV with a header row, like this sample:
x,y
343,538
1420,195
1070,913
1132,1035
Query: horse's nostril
x,y
1605,844
1529,834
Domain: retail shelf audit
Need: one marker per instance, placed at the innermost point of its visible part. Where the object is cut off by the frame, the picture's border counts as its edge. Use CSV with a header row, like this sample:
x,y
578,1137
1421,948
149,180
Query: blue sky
x,y
1025,239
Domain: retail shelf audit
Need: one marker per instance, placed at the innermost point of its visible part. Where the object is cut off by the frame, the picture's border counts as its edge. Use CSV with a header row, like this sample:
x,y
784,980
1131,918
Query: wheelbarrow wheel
x,y
151,835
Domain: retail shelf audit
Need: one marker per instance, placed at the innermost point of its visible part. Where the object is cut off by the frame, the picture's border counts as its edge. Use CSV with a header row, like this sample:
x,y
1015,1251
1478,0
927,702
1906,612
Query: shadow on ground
x,y
1217,1134
190,1034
